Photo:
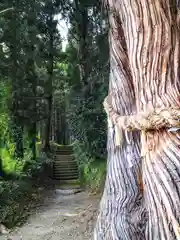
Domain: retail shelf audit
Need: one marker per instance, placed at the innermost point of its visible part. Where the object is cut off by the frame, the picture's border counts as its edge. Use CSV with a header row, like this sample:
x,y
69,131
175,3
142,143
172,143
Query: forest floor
x,y
61,216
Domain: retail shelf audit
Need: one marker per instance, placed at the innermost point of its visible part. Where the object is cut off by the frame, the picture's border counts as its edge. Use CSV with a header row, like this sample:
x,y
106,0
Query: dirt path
x,y
62,217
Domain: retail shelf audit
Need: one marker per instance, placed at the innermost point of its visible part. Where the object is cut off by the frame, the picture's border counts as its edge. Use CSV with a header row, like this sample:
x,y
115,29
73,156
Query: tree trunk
x,y
50,68
46,147
32,136
15,121
82,21
121,210
152,36
18,139
31,73
58,125
153,48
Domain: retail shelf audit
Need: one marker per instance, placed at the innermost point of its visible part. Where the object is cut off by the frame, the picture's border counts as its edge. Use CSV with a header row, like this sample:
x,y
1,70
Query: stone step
x,y
60,170
63,155
67,169
66,175
60,166
66,151
66,178
64,165
72,163
67,172
74,176
64,158
65,162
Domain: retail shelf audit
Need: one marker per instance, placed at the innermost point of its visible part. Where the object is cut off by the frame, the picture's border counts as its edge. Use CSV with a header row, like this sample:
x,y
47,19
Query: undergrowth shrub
x,y
9,164
14,196
18,190
39,168
93,175
92,170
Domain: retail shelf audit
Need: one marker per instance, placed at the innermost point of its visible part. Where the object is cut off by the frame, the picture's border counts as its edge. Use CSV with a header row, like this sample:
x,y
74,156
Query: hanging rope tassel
x,y
118,136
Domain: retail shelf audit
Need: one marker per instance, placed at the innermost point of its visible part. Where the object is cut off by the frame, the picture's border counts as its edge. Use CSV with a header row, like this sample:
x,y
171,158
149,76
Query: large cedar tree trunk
x,y
121,210
152,36
155,66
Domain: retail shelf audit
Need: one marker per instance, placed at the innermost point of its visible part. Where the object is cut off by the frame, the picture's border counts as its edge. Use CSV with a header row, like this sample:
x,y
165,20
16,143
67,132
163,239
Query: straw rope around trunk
x,y
153,119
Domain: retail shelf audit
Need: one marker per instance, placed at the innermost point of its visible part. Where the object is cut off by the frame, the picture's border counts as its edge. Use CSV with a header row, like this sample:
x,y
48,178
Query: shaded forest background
x,y
50,96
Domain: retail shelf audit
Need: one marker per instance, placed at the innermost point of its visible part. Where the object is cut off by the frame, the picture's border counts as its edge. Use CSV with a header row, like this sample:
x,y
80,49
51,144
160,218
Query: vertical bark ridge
x,y
153,49
121,210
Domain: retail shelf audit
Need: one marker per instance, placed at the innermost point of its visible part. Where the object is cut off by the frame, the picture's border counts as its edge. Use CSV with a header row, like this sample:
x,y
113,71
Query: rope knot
x,y
153,119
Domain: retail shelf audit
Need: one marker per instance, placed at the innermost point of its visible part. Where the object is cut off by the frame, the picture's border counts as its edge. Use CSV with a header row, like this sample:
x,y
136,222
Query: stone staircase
x,y
65,167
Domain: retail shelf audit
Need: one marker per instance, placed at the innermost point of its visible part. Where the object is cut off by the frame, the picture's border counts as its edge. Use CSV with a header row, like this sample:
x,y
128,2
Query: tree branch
x,y
6,10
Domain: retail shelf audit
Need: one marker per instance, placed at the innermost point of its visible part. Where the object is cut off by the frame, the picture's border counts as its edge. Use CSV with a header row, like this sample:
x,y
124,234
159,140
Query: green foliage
x,y
4,92
40,83
14,196
83,86
9,165
93,175
17,194
86,116
35,168
92,171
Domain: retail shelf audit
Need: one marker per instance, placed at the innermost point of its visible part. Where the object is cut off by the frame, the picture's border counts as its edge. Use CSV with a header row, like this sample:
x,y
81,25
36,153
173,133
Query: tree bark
x,y
47,147
31,73
32,136
121,208
152,35
15,49
50,69
82,21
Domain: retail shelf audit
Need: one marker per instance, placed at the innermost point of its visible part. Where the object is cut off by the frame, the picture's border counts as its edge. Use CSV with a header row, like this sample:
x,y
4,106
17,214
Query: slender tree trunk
x,y
19,149
48,126
32,135
31,73
121,205
82,22
61,127
15,121
34,123
55,123
58,126
50,80
153,36
66,119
